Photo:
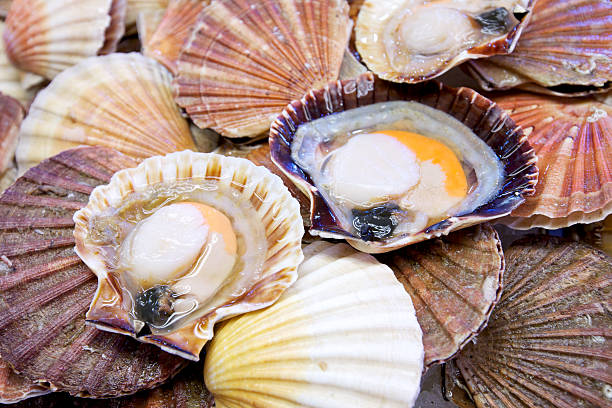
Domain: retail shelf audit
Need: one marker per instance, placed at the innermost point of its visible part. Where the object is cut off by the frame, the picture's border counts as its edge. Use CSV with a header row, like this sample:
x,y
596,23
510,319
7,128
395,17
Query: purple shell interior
x,y
484,117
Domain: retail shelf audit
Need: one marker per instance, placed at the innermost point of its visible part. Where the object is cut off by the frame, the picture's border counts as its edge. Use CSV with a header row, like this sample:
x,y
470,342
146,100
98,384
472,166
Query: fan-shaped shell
x,y
146,24
123,101
246,60
116,28
15,388
573,141
454,283
46,289
47,36
547,342
481,115
566,43
11,115
345,334
135,7
277,211
173,31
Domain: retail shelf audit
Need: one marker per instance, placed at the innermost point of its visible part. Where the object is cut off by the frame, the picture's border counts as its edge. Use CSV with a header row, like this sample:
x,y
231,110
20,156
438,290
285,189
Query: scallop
x,y
15,388
183,241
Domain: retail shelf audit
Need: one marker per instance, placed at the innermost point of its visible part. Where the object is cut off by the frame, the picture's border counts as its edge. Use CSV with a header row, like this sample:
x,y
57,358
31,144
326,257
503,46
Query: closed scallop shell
x,y
123,101
345,334
47,36
46,289
478,113
566,43
15,388
246,60
173,31
573,141
277,211
454,283
547,342
11,115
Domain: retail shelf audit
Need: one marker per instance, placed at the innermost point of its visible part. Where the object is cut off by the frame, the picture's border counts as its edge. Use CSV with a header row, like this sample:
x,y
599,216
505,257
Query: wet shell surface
x,y
46,289
172,33
454,283
123,101
11,115
47,36
260,211
566,43
344,334
488,123
573,141
15,388
547,342
246,60
412,41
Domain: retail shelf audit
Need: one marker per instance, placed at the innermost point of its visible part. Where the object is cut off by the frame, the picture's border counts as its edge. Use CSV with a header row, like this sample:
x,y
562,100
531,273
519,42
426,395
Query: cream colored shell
x,y
344,335
123,101
275,208
135,7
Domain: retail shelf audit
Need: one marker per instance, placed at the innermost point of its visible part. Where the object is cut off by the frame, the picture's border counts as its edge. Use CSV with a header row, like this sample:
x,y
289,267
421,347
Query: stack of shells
x,y
525,323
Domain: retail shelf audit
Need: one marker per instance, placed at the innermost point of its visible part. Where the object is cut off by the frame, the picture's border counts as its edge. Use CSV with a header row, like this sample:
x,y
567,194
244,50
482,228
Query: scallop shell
x,y
478,113
454,283
277,210
146,24
173,32
246,60
46,289
573,141
15,388
123,101
566,43
5,5
547,342
375,16
47,36
11,115
135,7
344,335
116,28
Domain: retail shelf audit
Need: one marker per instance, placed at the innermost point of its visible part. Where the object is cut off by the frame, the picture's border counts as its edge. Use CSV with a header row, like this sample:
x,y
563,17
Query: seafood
x,y
183,241
361,167
345,333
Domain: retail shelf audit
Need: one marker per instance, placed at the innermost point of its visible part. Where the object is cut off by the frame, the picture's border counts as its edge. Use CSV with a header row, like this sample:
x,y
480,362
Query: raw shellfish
x,y
415,40
123,101
547,342
565,48
185,240
46,289
345,334
245,61
573,141
366,210
454,283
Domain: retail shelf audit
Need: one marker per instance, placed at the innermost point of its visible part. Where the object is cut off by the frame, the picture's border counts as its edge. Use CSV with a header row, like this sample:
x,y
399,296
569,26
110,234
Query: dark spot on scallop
x,y
155,305
496,21
375,223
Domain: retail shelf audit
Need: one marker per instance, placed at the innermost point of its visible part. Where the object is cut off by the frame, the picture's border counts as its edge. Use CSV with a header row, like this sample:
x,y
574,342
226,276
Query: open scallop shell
x,y
276,209
167,40
566,43
15,388
47,36
377,17
547,342
11,115
123,101
481,115
46,289
573,141
454,283
245,61
345,334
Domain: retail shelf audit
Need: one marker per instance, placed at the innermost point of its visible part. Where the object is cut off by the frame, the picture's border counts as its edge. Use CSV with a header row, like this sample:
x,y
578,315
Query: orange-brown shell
x,y
573,141
246,60
116,28
15,388
11,115
547,343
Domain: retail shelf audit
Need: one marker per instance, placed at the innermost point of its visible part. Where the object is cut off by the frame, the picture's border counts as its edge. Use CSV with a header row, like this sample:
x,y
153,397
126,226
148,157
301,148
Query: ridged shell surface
x,y
11,115
566,43
277,211
146,24
478,113
116,28
345,334
15,388
47,36
246,60
134,7
123,101
573,141
548,340
454,283
46,289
